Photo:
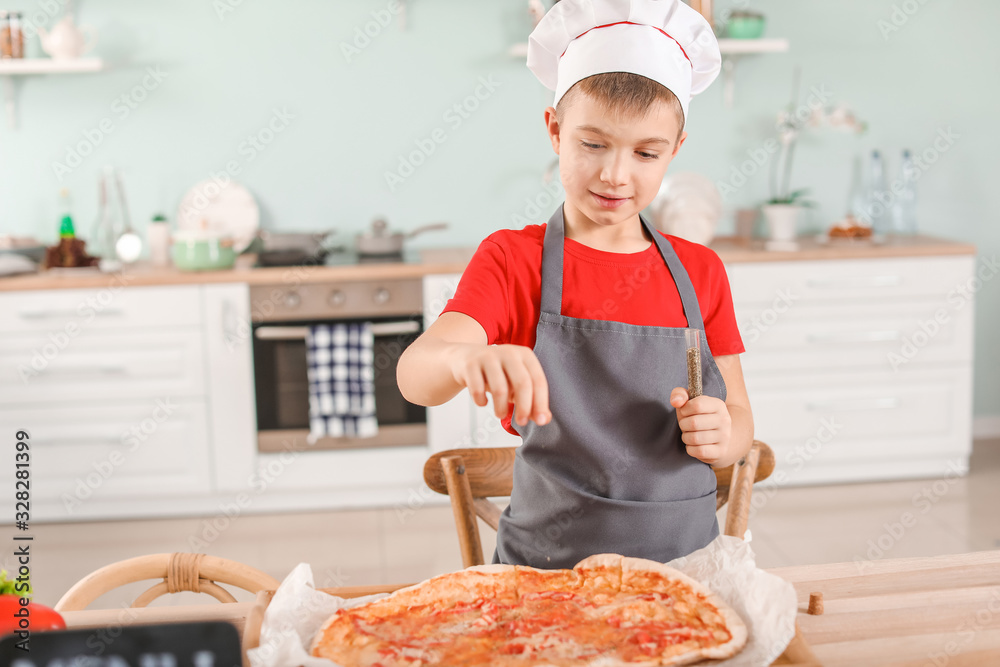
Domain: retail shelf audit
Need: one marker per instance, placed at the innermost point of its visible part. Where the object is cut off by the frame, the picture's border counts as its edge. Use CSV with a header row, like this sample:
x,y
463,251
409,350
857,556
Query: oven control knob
x,y
292,299
382,296
337,298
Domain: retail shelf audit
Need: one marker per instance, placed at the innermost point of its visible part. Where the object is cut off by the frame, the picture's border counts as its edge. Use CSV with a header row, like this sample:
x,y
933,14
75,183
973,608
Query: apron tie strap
x,y
552,269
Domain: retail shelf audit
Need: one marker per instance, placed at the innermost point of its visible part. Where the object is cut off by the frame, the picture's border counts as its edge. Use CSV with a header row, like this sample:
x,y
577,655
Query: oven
x,y
281,315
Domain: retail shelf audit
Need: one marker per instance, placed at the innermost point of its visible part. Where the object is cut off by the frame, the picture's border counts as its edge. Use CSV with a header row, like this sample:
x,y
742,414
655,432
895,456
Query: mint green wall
x,y
352,121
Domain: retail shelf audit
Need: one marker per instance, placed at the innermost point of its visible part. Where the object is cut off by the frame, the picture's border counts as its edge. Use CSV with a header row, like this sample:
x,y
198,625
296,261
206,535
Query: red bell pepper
x,y
37,617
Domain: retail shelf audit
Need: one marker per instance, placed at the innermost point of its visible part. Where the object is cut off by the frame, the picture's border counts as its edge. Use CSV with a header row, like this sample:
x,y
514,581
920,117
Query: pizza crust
x,y
633,567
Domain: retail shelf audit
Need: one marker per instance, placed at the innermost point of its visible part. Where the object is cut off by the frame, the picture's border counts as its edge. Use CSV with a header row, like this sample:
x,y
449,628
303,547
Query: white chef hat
x,y
663,40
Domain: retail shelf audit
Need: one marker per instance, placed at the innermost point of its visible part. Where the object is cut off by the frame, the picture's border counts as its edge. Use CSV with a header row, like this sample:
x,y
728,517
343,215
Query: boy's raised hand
x,y
706,426
512,374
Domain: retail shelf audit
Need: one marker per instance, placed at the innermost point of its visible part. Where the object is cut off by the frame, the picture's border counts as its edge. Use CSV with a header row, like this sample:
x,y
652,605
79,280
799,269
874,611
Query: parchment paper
x,y
766,603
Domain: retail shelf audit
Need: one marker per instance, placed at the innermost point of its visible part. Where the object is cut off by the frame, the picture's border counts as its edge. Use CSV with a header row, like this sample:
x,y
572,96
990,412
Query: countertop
x,y
454,260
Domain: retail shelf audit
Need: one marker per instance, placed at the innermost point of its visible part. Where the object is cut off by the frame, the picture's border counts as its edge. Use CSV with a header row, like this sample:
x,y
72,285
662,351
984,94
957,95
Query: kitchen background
x,y
191,86
356,105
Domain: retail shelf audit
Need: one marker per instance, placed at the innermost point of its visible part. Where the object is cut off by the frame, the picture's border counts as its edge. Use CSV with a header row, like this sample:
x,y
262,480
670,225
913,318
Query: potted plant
x,y
783,210
782,215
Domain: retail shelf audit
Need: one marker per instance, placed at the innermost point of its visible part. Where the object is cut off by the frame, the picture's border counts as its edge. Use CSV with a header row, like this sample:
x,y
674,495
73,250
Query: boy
x,y
579,324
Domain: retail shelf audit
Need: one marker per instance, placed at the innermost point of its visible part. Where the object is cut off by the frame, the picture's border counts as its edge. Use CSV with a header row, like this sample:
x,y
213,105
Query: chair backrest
x,y
197,573
470,476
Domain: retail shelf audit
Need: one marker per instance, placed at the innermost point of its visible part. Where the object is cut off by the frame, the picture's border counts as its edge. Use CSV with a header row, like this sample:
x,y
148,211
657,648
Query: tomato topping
x,y
512,649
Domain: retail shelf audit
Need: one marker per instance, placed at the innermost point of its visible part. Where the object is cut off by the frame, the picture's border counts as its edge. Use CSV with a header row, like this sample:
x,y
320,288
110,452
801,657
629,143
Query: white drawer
x,y
101,366
865,415
890,336
147,448
853,281
72,311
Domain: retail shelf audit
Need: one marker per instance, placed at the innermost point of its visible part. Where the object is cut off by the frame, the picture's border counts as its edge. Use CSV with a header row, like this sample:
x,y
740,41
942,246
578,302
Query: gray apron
x,y
609,473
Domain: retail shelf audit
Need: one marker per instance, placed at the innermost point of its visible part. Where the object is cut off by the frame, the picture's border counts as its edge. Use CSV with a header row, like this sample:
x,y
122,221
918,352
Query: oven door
x,y
282,388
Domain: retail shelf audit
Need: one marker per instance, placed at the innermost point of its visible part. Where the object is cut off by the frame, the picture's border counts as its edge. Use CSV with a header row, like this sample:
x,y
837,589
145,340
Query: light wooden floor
x,y
795,526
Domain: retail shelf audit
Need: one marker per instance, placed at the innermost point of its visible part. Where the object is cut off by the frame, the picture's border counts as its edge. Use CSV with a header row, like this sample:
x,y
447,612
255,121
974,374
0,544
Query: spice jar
x,y
16,35
692,338
6,48
11,35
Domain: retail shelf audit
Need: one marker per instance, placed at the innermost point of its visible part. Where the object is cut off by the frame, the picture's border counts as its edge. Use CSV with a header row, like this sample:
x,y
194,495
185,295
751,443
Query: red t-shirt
x,y
501,289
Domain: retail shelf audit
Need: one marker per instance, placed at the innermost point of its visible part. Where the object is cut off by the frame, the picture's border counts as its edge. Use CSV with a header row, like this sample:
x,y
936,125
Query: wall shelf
x,y
50,66
749,46
9,69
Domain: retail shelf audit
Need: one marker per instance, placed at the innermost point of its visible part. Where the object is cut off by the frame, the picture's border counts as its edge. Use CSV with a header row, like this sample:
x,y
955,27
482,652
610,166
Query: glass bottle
x,y
101,239
66,228
857,198
904,207
108,226
878,197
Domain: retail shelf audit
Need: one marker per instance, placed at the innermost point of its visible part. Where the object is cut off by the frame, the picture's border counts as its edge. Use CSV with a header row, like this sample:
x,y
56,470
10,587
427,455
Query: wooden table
x,y
909,612
913,612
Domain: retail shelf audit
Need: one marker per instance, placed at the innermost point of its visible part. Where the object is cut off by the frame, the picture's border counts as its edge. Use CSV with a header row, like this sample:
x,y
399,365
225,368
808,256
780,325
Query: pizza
x,y
608,610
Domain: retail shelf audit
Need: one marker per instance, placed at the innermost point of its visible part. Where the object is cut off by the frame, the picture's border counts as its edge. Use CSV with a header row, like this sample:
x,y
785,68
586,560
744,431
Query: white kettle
x,y
66,41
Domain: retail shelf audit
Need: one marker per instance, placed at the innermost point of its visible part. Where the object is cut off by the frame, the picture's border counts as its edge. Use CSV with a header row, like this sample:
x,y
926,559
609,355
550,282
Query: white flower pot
x,y
782,221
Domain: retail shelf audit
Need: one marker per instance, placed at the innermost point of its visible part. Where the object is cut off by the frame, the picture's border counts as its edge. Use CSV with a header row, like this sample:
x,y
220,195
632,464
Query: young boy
x,y
578,325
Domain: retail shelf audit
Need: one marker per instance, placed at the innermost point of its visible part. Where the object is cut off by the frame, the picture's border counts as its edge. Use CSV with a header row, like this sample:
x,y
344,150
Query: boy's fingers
x,y
520,384
700,438
693,423
706,454
540,412
496,381
477,386
701,405
678,397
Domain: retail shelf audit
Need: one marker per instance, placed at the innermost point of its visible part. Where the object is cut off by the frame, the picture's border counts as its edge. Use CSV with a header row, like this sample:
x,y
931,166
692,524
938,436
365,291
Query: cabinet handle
x,y
82,439
859,281
299,333
52,314
854,337
854,405
228,321
87,370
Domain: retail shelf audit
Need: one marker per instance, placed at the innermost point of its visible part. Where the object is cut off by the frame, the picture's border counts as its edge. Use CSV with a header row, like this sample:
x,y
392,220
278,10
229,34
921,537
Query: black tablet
x,y
214,644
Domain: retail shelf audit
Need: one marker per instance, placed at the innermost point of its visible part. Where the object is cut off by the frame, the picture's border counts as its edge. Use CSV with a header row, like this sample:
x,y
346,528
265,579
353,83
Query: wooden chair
x,y
471,476
197,573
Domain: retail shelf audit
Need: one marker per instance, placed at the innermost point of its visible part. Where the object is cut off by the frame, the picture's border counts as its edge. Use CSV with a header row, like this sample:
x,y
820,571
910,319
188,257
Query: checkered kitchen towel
x,y
341,380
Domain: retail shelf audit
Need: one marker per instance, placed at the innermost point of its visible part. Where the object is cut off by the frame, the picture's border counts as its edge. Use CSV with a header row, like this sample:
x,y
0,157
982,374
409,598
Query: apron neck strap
x,y
552,270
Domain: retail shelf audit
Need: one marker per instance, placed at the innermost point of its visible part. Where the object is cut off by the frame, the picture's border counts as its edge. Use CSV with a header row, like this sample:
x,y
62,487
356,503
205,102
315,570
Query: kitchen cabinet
x,y
229,383
859,369
140,399
134,392
89,456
